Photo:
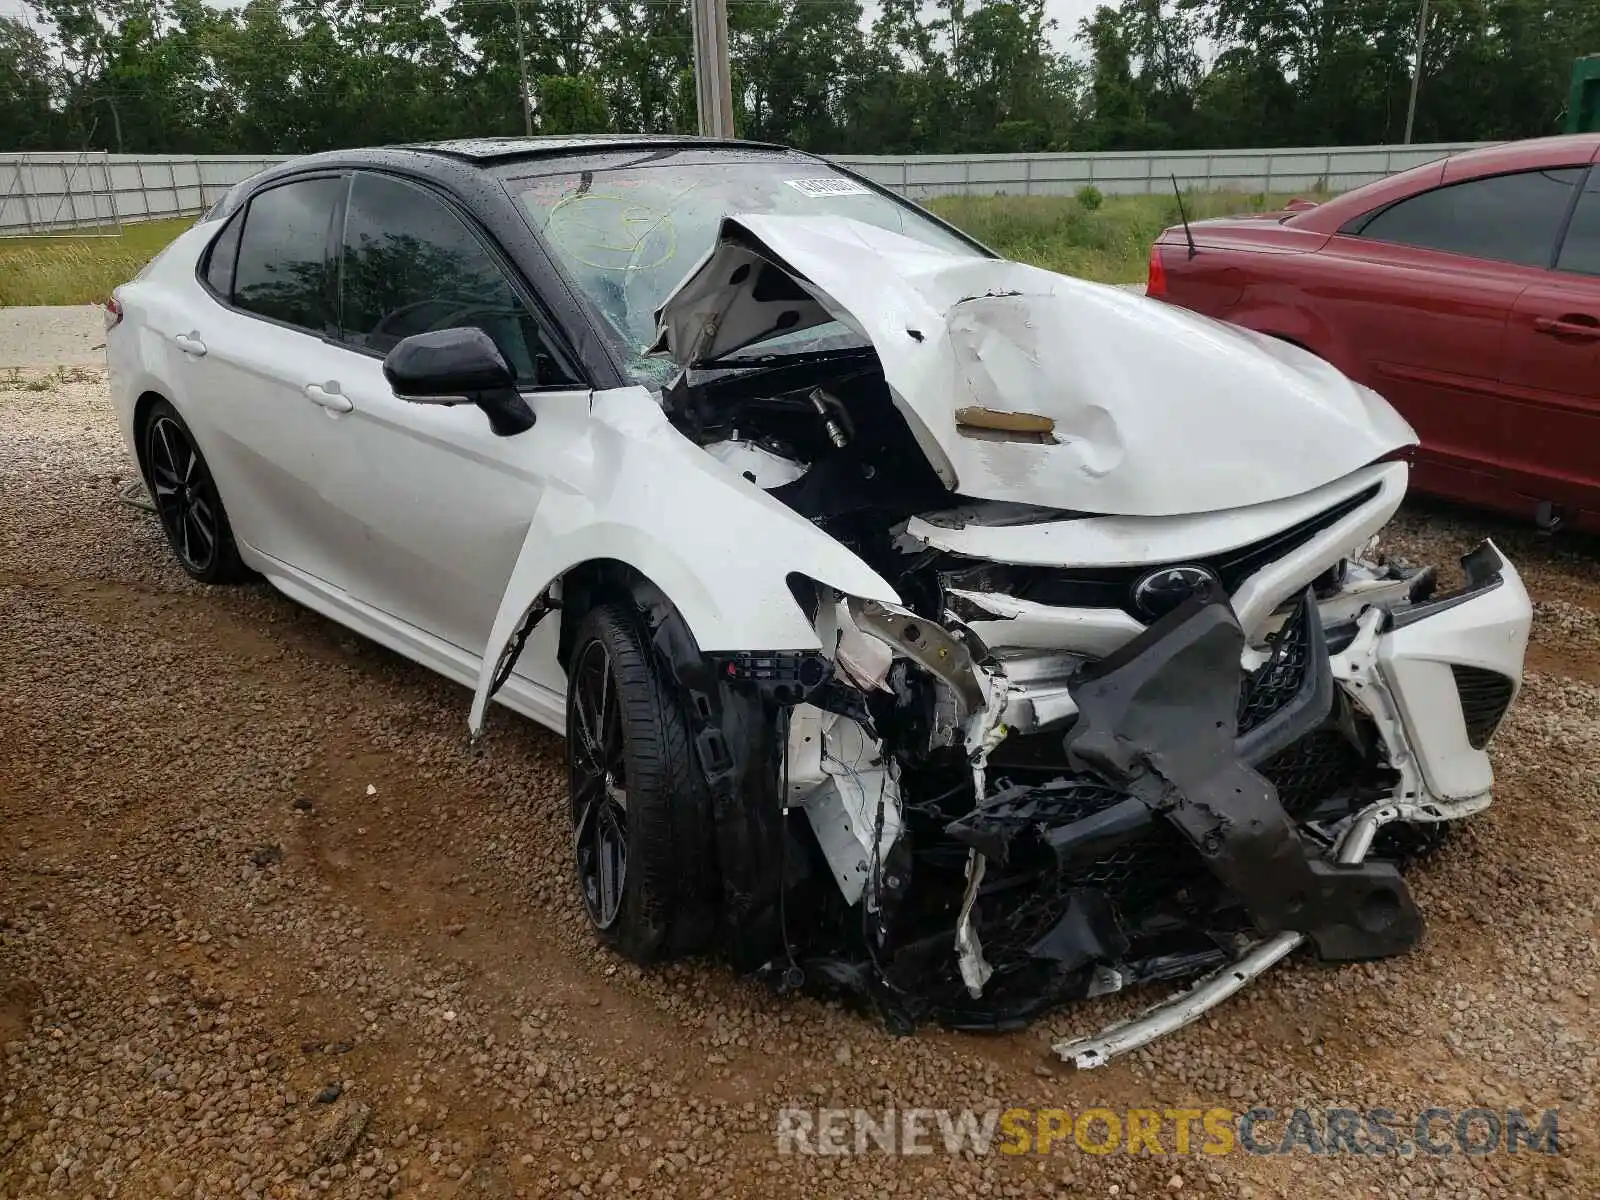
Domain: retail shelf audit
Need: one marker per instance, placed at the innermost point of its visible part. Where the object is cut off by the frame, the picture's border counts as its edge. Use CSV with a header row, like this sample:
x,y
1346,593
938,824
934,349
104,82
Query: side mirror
x,y
460,365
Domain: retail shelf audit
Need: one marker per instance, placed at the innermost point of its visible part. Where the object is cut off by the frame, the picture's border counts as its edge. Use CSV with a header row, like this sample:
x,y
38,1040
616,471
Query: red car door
x,y
1551,374
1419,295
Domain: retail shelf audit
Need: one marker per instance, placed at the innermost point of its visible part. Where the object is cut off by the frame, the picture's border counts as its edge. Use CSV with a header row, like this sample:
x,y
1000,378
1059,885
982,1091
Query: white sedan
x,y
923,626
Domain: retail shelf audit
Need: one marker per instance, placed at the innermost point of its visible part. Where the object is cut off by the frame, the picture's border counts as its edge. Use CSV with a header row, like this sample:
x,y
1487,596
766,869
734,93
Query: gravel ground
x,y
52,335
269,927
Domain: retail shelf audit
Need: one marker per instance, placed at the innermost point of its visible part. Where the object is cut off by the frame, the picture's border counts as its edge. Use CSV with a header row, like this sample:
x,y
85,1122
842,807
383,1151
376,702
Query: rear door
x,y
252,360
1551,374
1420,294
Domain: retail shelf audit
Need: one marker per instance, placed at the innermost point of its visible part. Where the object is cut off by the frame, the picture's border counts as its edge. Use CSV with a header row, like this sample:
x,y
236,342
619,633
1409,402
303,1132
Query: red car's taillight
x,y
113,312
1156,283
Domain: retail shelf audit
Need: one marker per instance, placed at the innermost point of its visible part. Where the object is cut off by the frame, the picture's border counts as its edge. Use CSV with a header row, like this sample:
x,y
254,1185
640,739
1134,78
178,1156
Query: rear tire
x,y
186,499
641,812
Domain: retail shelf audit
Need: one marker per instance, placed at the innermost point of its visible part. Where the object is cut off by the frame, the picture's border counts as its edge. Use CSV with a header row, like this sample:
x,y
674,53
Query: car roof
x,y
1569,149
501,149
1531,154
465,162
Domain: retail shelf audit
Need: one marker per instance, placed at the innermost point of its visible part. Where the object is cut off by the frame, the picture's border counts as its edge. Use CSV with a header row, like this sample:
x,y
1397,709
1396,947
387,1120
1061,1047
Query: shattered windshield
x,y
628,233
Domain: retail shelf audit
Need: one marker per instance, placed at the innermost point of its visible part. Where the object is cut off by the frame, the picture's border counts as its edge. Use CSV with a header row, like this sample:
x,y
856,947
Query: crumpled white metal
x,y
1156,411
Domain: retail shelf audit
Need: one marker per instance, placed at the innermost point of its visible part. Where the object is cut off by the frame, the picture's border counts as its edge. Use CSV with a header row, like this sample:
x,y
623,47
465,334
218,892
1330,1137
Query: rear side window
x,y
411,265
219,261
1505,218
282,263
1580,251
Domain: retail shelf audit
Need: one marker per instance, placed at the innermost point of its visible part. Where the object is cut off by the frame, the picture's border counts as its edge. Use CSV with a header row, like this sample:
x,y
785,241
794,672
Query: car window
x,y
627,234
1580,251
220,259
1506,218
410,265
281,270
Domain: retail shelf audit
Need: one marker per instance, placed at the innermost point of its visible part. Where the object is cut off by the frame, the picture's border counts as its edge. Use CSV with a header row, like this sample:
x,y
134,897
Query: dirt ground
x,y
269,927
52,335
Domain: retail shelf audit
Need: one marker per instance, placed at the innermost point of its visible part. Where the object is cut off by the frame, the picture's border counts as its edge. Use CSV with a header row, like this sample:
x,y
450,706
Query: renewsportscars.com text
x,y
1181,1131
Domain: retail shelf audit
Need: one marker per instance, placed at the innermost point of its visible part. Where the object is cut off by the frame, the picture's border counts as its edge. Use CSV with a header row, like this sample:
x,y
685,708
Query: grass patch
x,y
79,270
1106,240
15,379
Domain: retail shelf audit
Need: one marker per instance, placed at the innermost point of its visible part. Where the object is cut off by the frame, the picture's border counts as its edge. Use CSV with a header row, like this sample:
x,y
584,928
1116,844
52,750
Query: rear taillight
x,y
1156,283
113,312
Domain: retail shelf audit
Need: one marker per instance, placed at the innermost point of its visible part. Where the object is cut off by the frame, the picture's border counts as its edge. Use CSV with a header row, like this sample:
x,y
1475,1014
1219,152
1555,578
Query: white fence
x,y
52,193
1337,168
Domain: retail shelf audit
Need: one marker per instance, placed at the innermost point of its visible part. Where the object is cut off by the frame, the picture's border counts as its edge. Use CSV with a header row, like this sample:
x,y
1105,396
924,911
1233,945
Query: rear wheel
x,y
641,824
186,499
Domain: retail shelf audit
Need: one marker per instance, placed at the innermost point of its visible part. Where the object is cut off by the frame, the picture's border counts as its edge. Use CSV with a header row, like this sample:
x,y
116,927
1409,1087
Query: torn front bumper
x,y
1160,721
994,831
1392,666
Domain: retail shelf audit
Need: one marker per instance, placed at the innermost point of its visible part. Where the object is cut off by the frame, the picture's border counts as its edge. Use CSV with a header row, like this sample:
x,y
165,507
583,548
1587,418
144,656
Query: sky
x,y
1066,13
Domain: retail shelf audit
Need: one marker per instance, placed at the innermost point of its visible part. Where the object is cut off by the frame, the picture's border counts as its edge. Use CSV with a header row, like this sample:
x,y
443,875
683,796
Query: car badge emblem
x,y
1162,590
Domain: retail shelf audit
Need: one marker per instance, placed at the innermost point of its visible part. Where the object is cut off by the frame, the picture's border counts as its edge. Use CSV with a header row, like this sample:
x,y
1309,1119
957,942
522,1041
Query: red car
x,y
1465,291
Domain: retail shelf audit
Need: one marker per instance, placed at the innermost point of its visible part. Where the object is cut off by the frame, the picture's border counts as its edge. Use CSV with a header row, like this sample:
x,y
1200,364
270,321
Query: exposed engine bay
x,y
1033,784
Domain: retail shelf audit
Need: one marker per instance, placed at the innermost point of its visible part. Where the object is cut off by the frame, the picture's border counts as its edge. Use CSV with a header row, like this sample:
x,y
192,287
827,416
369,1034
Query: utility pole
x,y
1416,72
522,70
712,83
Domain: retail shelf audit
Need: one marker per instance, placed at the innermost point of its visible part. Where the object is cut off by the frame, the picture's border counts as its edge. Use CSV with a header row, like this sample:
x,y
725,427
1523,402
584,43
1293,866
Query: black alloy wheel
x,y
641,812
186,500
599,787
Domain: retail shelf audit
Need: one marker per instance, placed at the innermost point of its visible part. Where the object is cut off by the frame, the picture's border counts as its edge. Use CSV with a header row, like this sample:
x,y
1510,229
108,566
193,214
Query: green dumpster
x,y
1583,106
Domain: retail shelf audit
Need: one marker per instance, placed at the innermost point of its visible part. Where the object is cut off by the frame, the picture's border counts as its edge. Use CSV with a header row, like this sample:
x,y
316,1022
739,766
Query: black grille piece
x,y
1159,870
1154,870
1321,764
1485,696
1276,682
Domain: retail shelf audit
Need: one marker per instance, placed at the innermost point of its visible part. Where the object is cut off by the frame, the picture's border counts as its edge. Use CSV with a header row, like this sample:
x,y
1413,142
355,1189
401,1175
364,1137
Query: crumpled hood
x,y
1157,411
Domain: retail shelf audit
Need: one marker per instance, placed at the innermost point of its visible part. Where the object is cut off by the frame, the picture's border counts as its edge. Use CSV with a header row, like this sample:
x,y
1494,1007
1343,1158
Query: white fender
x,y
633,489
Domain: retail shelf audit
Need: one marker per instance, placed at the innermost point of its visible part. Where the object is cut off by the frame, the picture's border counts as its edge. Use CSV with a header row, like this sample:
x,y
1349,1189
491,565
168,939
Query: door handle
x,y
190,344
1569,325
329,396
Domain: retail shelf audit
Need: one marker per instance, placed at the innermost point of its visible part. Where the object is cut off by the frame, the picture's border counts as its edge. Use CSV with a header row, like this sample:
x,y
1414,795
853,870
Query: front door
x,y
432,507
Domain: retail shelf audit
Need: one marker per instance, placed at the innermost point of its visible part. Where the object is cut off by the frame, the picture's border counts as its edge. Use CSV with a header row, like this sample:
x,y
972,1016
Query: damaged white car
x,y
923,626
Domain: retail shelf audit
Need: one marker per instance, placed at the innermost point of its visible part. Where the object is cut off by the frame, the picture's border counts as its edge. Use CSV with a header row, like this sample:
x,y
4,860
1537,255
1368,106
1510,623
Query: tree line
x,y
922,76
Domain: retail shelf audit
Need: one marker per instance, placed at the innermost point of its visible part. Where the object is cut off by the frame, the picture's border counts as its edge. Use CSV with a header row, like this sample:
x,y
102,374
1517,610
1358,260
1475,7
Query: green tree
x,y
27,120
1349,60
647,67
902,103
946,76
1014,93
567,104
795,65
1115,116
1244,100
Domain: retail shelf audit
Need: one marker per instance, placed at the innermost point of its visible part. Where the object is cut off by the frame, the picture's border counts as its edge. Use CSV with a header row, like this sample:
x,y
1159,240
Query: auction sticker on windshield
x,y
829,187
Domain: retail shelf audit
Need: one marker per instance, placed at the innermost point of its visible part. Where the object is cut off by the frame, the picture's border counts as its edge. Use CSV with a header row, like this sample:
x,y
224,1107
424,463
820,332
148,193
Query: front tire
x,y
641,823
186,499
